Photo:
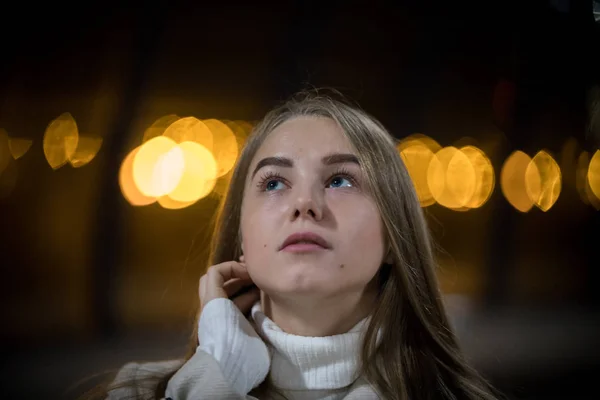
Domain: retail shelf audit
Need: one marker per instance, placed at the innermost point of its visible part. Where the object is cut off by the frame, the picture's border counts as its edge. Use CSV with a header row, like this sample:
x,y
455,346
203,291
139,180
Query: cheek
x,y
363,238
257,233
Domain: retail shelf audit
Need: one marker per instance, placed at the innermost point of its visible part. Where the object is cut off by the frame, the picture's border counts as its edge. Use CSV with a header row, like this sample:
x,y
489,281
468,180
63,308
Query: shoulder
x,y
135,378
146,369
362,390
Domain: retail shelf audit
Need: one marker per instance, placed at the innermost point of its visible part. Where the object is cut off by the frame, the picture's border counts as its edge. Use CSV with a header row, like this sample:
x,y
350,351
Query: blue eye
x,y
273,185
338,181
270,182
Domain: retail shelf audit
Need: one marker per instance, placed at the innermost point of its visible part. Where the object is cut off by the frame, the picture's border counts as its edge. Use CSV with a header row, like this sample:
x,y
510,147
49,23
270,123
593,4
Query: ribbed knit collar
x,y
302,362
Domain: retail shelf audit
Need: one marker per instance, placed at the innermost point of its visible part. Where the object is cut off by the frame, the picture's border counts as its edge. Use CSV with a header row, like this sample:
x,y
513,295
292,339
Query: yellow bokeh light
x,y
461,209
158,166
246,127
512,181
170,204
128,186
225,147
241,135
451,178
60,140
5,155
419,138
543,180
465,141
190,129
199,175
416,156
18,147
593,174
159,127
484,176
87,148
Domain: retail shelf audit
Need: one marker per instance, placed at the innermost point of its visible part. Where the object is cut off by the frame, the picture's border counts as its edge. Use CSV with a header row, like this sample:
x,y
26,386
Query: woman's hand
x,y
226,334
229,280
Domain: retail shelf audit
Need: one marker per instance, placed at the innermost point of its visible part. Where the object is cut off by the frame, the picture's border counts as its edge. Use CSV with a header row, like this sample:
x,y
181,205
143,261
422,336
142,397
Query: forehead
x,y
311,137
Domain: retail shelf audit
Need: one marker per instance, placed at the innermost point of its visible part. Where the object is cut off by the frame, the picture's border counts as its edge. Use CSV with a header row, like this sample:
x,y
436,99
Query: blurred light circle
x,y
451,178
199,173
158,166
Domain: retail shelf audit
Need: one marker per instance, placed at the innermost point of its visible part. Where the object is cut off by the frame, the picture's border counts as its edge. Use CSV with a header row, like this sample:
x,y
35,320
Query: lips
x,y
308,238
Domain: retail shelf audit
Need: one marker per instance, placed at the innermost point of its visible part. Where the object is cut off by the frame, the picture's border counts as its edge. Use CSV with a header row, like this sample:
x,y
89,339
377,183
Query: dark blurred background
x,y
91,281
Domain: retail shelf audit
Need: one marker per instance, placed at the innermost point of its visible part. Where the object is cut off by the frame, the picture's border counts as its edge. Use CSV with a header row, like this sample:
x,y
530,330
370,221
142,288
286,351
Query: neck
x,y
317,317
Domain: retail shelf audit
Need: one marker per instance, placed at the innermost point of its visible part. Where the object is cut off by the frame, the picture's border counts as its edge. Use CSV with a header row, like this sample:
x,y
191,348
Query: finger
x,y
219,274
203,292
202,285
235,285
245,301
242,259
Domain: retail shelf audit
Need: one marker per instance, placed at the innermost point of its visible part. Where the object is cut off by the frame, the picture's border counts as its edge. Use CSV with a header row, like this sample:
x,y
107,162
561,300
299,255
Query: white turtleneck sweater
x,y
302,367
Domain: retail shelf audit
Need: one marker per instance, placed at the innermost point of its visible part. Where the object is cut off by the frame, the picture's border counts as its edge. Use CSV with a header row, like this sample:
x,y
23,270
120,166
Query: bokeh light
x,y
87,148
190,129
543,180
513,183
225,146
239,132
158,166
19,147
128,186
417,151
582,183
484,176
451,178
182,160
593,174
159,127
168,203
199,174
60,140
246,127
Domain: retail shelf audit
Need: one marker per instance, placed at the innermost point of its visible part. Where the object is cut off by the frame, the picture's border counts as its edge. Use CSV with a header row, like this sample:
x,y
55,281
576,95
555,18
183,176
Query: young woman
x,y
322,281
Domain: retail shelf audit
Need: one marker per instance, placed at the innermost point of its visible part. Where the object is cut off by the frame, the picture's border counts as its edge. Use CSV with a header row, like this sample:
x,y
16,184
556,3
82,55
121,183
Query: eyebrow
x,y
330,159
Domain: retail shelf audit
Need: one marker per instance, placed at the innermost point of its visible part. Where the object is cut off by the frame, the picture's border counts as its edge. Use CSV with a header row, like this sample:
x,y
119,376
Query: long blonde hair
x,y
417,355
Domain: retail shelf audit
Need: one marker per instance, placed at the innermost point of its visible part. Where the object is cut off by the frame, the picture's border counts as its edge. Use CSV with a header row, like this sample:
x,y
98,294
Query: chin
x,y
295,283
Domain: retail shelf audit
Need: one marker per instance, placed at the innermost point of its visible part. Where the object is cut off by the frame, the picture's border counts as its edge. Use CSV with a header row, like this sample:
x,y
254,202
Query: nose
x,y
309,203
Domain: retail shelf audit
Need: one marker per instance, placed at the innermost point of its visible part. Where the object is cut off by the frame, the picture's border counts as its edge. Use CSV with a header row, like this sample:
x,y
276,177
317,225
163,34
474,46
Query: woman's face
x,y
305,180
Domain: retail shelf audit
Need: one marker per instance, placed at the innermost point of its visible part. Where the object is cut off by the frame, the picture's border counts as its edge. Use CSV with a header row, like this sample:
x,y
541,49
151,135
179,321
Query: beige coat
x,y
198,379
